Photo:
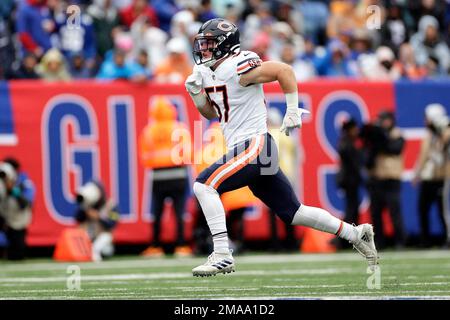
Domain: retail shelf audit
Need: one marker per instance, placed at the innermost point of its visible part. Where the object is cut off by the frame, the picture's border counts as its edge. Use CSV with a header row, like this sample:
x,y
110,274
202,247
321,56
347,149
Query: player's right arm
x,y
194,86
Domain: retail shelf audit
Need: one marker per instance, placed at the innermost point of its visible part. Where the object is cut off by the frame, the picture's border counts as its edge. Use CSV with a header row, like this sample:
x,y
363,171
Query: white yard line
x,y
265,298
173,275
174,262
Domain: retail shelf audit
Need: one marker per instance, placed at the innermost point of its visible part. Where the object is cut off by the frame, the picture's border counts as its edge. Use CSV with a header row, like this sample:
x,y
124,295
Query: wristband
x,y
291,100
292,103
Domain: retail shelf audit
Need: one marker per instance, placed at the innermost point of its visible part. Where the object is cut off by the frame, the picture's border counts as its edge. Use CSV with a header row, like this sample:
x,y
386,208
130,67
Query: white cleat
x,y
216,263
365,244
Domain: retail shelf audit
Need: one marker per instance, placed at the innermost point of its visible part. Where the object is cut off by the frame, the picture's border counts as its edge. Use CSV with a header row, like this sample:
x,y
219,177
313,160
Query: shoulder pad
x,y
248,60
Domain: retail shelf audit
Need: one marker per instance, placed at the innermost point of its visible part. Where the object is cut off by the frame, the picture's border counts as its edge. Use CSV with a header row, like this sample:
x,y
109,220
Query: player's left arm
x,y
270,71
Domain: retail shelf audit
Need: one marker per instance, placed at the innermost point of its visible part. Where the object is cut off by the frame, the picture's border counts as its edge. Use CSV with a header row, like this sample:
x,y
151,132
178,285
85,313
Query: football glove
x,y
293,117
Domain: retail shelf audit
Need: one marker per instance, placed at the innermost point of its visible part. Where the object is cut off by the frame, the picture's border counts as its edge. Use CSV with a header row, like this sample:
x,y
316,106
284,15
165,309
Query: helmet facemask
x,y
208,50
204,49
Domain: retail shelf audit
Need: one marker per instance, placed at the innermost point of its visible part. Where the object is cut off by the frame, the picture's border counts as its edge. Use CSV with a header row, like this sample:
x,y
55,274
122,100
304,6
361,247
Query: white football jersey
x,y
242,110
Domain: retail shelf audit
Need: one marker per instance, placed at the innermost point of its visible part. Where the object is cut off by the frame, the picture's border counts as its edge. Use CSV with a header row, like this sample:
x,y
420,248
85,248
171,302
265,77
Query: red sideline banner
x,y
67,133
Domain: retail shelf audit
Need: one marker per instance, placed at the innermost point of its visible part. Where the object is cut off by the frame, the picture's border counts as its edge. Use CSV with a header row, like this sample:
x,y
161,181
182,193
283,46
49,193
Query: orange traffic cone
x,y
315,241
73,245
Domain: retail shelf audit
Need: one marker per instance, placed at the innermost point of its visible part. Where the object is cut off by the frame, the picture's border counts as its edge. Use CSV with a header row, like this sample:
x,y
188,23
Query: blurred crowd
x,y
144,40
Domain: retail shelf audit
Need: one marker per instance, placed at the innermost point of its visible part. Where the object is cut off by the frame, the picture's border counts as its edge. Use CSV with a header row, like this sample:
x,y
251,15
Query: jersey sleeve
x,y
248,61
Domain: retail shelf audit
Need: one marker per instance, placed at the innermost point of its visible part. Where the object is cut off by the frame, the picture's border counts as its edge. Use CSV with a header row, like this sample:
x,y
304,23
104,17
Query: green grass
x,y
406,274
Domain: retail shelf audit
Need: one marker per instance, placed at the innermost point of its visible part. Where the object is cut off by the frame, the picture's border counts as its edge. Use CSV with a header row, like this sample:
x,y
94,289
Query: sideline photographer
x,y
16,199
431,169
349,177
383,147
98,216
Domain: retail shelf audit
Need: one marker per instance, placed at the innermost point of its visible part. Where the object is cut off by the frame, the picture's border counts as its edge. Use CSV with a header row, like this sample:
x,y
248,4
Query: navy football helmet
x,y
216,39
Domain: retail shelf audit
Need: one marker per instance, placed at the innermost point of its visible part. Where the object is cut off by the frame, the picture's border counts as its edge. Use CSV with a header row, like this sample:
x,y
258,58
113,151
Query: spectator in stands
x,y
407,62
123,41
336,61
282,34
383,148
53,67
315,16
169,173
303,70
205,11
16,200
261,44
232,14
256,22
180,23
228,9
78,68
150,39
177,66
309,54
349,177
6,7
98,215
26,69
360,44
105,23
433,70
427,43
116,67
121,4
165,10
136,10
7,49
380,66
420,8
394,31
41,25
430,168
34,27
249,8
142,60
284,11
341,19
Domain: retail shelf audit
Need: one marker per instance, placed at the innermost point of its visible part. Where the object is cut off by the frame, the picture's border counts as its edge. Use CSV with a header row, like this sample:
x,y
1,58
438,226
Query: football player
x,y
227,83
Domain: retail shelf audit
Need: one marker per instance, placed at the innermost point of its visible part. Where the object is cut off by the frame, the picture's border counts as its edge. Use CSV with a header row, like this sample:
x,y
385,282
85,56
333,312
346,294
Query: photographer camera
x,y
98,216
383,146
16,199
